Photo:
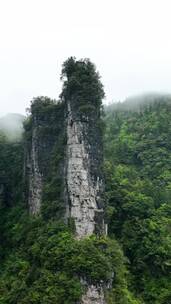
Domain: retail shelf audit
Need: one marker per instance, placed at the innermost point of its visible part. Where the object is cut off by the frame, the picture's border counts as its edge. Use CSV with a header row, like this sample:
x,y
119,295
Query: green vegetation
x,y
46,262
82,84
11,165
40,260
138,175
47,118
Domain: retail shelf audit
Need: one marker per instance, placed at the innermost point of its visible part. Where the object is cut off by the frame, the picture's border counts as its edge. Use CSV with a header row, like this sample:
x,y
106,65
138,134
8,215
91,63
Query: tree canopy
x,y
82,82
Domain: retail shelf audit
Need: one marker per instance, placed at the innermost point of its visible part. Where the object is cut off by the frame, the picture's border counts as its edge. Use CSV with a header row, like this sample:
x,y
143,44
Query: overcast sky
x,y
128,40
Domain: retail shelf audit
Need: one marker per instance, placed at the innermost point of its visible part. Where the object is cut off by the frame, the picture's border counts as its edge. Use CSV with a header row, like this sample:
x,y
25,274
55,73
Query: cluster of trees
x,y
44,262
138,175
11,158
82,84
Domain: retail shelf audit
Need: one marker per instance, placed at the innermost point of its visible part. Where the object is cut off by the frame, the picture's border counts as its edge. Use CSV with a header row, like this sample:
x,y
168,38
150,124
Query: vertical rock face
x,y
42,134
83,189
84,185
34,176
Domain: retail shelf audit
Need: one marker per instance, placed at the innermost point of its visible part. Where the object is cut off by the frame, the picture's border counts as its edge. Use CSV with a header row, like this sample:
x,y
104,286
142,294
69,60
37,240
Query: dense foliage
x,y
11,158
82,83
138,174
45,263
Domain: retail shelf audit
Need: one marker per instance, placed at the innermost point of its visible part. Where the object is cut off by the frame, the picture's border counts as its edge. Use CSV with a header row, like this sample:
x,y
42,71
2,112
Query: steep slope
x,y
43,133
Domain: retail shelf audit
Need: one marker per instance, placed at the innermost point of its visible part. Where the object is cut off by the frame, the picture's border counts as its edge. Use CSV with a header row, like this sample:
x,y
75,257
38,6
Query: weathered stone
x,y
93,295
82,191
45,132
35,177
83,188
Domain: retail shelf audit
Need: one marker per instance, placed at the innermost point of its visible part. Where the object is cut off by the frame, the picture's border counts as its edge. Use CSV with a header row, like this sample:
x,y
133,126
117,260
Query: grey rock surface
x,y
82,194
93,295
81,189
35,177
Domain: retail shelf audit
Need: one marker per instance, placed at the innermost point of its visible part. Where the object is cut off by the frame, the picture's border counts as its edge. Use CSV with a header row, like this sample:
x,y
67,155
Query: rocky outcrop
x,y
42,134
94,295
83,190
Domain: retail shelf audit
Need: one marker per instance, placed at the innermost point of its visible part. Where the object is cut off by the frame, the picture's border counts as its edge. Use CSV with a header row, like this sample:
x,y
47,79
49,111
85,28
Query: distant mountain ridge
x,y
134,103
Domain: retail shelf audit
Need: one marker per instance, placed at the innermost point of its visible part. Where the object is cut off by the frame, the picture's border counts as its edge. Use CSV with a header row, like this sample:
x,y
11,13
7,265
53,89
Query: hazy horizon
x,y
127,40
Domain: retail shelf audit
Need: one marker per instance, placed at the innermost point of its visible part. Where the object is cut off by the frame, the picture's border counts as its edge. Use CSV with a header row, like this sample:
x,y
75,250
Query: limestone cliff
x,y
34,174
84,186
82,159
73,167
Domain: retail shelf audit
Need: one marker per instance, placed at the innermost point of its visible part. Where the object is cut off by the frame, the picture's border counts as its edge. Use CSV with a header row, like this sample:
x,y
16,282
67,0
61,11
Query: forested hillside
x,y
138,181
42,262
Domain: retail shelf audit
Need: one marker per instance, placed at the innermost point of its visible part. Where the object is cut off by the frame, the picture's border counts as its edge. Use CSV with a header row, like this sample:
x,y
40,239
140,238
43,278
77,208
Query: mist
x,y
11,125
129,41
136,102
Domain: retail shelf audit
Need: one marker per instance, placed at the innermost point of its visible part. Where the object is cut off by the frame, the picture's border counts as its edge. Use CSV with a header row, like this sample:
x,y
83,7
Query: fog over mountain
x,y
135,103
127,40
12,125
